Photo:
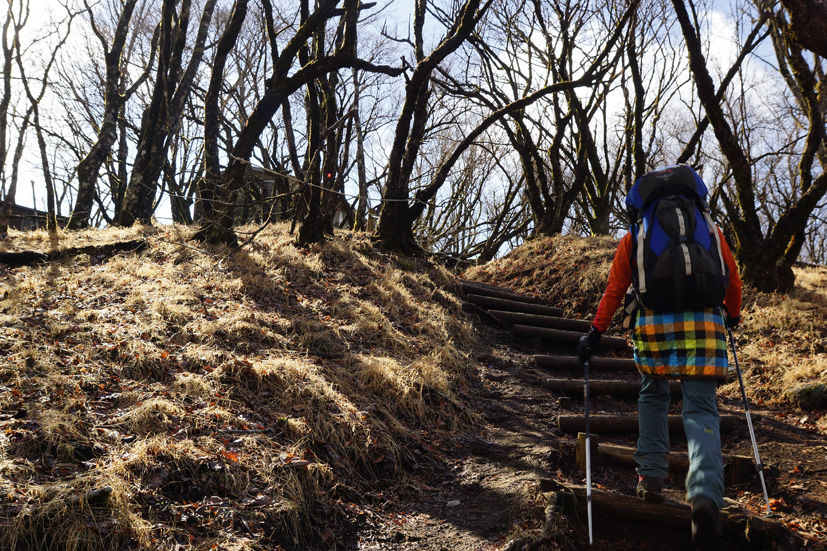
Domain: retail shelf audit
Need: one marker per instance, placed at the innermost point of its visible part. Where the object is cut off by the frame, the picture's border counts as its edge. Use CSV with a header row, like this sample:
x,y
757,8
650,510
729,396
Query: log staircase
x,y
543,330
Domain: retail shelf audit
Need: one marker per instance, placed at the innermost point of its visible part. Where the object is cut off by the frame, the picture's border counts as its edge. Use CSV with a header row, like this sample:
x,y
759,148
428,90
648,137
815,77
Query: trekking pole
x,y
588,450
758,464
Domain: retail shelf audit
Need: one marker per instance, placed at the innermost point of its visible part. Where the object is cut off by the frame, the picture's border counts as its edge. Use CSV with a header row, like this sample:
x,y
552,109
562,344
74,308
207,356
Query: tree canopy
x,y
460,128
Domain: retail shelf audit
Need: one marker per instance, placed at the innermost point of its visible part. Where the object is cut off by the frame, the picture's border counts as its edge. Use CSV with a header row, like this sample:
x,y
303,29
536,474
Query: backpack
x,y
676,260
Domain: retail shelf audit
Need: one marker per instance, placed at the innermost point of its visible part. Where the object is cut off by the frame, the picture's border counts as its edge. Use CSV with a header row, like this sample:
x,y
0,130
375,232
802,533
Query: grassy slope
x,y
233,399
246,400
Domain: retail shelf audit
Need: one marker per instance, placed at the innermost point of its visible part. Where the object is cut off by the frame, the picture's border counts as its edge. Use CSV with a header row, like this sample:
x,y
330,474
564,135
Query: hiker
x,y
679,332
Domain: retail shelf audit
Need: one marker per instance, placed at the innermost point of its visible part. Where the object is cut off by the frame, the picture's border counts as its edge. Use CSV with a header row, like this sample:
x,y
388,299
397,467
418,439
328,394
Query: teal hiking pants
x,y
701,424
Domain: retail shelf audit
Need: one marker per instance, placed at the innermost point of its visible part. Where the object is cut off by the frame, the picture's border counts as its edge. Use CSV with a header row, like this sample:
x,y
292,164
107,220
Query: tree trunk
x,y
5,100
89,167
11,192
808,24
395,229
51,220
321,111
311,229
162,118
360,223
762,258
88,170
212,163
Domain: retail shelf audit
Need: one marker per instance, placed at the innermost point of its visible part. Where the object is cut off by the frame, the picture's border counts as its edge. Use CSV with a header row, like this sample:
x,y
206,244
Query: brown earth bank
x,y
339,397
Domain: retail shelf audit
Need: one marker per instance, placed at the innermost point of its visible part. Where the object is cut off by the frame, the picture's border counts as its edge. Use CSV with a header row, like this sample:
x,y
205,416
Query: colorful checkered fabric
x,y
681,344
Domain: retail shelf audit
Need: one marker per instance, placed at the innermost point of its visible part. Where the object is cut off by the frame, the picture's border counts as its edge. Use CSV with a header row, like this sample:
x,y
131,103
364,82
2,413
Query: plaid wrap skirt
x,y
681,344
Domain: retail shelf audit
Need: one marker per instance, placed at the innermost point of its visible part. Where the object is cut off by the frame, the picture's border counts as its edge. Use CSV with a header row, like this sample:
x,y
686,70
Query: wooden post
x,y
758,532
565,336
737,468
598,386
470,288
580,452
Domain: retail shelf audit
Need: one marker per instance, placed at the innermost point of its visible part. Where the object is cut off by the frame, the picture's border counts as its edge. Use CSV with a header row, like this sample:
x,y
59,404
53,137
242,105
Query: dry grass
x,y
231,400
782,342
190,397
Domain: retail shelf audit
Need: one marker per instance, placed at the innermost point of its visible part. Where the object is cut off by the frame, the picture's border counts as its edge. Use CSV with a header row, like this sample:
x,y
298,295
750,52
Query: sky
x,y
721,29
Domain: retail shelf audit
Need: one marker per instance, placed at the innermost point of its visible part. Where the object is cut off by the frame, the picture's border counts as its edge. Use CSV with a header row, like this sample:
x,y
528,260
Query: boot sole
x,y
705,534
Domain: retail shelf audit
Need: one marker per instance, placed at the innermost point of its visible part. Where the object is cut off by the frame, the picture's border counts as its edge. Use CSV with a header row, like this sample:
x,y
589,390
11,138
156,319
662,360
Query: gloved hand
x,y
587,344
732,321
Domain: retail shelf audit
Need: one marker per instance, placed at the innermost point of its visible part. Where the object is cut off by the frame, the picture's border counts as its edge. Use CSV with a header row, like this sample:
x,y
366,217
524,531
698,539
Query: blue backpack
x,y
676,260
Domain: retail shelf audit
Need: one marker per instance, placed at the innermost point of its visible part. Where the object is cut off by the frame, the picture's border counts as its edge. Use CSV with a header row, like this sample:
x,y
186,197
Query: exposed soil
x,y
485,494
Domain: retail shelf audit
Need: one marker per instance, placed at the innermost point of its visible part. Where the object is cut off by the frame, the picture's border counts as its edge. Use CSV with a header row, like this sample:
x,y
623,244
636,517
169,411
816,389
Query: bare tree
x,y
212,163
13,22
11,189
161,119
115,94
516,109
762,253
8,58
481,207
34,100
395,230
807,82
283,82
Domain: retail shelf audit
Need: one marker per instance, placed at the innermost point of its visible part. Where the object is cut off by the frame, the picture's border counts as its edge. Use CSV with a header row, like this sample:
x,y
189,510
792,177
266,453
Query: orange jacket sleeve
x,y
732,300
620,277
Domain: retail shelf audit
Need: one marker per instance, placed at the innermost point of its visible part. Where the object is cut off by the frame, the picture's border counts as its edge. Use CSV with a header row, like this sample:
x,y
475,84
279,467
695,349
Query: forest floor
x,y
485,495
167,395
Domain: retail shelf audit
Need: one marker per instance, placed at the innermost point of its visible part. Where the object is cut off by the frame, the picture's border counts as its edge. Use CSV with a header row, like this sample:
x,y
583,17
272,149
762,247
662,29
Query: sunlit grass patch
x,y
207,386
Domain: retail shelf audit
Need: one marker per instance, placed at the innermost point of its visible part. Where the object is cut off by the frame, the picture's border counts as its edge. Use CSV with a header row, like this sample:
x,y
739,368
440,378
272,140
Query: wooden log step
x,y
753,531
573,363
485,285
614,424
470,288
514,306
737,468
598,386
510,318
527,331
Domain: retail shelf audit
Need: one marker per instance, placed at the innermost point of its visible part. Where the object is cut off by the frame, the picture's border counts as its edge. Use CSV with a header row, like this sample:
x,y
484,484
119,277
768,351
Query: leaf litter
x,y
330,397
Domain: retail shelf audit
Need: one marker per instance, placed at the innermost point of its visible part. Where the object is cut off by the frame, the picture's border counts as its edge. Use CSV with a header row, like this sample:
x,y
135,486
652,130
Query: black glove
x,y
732,321
587,344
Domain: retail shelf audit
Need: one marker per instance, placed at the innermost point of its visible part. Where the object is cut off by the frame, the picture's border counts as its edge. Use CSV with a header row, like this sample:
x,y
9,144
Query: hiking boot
x,y
706,524
650,488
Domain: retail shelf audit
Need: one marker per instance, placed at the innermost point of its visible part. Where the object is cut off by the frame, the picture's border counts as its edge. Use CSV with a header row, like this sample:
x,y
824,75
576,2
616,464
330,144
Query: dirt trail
x,y
485,486
485,494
